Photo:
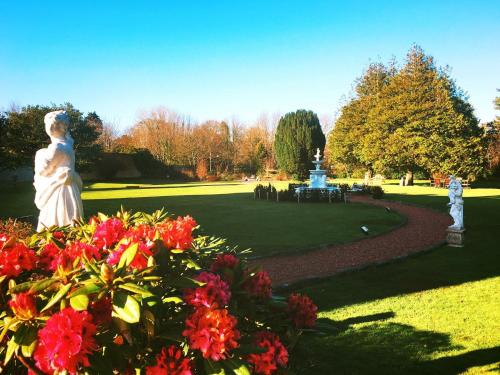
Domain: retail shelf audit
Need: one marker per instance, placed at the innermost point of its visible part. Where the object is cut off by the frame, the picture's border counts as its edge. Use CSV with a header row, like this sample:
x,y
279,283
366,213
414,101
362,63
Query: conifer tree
x,y
297,136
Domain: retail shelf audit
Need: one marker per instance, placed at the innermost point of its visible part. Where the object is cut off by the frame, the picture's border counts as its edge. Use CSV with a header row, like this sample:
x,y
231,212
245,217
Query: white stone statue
x,y
317,155
456,204
58,186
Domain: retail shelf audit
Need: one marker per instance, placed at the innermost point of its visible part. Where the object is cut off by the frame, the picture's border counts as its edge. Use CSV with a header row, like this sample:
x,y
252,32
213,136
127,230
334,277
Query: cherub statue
x,y
58,186
456,203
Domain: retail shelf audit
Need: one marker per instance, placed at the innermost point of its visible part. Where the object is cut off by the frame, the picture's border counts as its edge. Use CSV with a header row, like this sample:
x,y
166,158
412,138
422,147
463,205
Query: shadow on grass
x,y
460,363
442,266
377,348
138,186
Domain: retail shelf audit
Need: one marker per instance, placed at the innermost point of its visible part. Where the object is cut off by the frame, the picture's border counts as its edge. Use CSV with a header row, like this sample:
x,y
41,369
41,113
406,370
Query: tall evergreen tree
x,y
297,136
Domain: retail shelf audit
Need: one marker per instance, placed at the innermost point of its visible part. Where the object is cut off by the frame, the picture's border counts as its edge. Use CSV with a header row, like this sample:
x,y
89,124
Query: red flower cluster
x,y
170,361
52,257
23,305
276,356
177,234
108,233
215,293
65,342
140,260
143,235
302,310
15,257
212,332
259,285
224,261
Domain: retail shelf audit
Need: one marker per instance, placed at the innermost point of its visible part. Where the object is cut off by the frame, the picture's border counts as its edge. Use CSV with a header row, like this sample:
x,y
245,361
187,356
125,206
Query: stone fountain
x,y
317,180
317,177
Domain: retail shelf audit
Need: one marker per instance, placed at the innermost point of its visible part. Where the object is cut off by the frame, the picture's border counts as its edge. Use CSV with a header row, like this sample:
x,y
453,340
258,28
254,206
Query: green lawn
x,y
227,209
435,313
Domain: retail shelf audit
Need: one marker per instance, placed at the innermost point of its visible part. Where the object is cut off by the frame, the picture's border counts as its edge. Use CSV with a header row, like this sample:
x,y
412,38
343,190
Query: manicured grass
x,y
227,209
435,313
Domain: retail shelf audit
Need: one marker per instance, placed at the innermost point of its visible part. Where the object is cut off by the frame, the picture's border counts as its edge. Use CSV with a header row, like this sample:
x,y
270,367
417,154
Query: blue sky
x,y
225,59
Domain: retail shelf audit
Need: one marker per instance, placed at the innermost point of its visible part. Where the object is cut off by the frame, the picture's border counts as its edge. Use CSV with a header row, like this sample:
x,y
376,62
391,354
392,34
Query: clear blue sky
x,y
219,59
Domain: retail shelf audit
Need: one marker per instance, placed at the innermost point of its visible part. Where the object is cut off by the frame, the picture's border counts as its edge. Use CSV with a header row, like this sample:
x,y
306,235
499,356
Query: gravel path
x,y
424,229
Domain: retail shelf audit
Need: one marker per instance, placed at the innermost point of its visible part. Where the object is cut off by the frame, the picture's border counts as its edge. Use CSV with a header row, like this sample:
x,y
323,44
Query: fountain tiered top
x,y
317,177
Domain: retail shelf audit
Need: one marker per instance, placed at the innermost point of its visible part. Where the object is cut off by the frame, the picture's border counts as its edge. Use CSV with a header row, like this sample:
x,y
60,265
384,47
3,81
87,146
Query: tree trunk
x,y
409,178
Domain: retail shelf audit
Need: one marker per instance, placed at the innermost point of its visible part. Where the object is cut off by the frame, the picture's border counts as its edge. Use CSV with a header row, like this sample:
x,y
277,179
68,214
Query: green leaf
x,y
126,307
172,299
28,341
191,264
28,350
35,286
213,368
128,256
102,217
237,366
56,297
12,347
8,322
79,302
135,289
42,285
86,289
186,282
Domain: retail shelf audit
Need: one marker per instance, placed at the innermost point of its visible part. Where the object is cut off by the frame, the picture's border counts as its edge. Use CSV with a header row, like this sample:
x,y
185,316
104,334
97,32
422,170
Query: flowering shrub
x,y
140,294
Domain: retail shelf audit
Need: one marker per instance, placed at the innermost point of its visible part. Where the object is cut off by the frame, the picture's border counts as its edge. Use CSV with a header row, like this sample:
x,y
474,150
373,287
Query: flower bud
x,y
107,273
23,305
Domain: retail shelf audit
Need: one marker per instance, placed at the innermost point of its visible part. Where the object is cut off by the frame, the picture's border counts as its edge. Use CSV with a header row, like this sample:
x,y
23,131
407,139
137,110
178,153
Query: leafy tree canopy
x,y
297,136
410,119
23,133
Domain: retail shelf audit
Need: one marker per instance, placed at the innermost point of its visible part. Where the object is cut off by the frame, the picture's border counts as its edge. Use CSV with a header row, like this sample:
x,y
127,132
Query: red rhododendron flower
x,y
101,311
177,234
276,356
23,305
52,257
212,332
170,361
59,235
15,257
259,285
215,293
303,311
140,260
145,232
108,233
65,342
224,261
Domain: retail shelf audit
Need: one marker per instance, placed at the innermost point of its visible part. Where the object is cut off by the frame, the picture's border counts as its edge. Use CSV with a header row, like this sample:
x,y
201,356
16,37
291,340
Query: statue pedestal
x,y
455,237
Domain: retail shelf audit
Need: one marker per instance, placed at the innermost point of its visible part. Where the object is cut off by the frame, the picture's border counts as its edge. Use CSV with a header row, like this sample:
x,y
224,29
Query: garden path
x,y
424,229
